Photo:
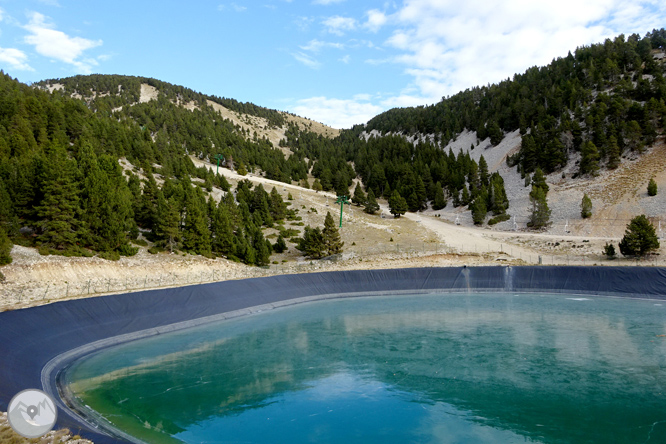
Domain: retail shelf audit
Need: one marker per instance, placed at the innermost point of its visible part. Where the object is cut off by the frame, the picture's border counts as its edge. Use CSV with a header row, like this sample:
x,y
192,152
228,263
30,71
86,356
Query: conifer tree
x,y
498,201
440,200
539,180
589,162
167,227
484,177
196,234
397,204
5,247
652,187
359,197
59,211
371,205
586,207
222,232
479,210
312,243
540,216
331,236
640,237
316,186
278,209
280,245
613,153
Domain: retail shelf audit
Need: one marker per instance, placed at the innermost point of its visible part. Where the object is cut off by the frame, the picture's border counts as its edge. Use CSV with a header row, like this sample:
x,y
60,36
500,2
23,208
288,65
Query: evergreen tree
x,y
359,197
479,210
167,228
5,247
312,243
540,216
59,211
280,245
639,238
652,188
278,209
440,200
589,162
222,232
196,234
613,153
397,204
371,205
331,236
484,177
609,251
498,202
539,180
316,185
586,207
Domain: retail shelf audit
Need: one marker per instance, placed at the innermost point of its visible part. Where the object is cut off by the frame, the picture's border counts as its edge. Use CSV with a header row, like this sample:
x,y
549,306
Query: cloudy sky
x,y
340,62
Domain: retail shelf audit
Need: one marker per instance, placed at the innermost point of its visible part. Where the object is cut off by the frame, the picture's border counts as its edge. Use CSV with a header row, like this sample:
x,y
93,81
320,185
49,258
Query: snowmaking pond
x,y
449,368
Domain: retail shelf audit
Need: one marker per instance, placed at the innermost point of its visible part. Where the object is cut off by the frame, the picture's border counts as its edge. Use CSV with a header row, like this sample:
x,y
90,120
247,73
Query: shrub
x,y
652,188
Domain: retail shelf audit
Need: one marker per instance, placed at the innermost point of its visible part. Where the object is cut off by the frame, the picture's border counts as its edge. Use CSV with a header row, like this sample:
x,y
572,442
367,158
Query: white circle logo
x,y
32,413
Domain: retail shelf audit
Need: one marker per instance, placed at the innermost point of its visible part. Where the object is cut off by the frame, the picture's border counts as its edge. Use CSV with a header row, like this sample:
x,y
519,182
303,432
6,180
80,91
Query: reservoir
x,y
435,368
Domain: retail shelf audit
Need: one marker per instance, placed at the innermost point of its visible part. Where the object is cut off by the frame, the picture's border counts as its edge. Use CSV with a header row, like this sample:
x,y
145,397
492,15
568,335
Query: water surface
x,y
432,369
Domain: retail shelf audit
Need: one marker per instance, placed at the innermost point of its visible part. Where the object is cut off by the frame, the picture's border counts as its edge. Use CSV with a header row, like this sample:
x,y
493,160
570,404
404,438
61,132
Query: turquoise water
x,y
432,369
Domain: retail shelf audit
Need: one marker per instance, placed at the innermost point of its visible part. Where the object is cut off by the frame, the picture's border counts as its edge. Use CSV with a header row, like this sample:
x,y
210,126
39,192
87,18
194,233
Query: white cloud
x,y
345,59
316,45
338,113
307,60
376,19
339,25
326,2
448,46
15,58
57,45
235,6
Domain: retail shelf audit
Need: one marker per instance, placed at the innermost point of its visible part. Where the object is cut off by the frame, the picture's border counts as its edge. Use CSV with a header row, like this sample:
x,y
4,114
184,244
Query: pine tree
x,y
280,245
371,205
167,227
484,177
440,201
331,236
196,235
540,216
359,197
586,207
59,211
639,238
222,232
5,247
589,162
316,186
539,180
397,204
652,187
498,202
312,242
479,210
613,153
278,209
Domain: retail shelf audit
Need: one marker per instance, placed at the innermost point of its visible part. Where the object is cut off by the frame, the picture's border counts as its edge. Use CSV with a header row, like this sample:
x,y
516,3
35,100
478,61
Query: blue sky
x,y
339,62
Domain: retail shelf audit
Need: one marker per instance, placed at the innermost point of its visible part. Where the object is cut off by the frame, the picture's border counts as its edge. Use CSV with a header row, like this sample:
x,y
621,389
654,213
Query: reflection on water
x,y
438,368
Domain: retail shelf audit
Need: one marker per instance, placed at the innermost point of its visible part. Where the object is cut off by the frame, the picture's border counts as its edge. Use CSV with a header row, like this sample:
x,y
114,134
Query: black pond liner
x,y
37,343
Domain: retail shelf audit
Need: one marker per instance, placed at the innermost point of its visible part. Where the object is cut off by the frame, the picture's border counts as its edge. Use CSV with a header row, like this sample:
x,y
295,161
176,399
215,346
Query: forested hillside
x,y
600,101
63,190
